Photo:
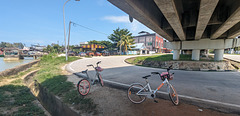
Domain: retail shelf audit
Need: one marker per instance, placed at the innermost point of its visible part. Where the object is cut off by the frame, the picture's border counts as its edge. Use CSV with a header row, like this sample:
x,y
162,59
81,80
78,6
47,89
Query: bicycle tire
x,y
100,80
173,95
83,87
132,90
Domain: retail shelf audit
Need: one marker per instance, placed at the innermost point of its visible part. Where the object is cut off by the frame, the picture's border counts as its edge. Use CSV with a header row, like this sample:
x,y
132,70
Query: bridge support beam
x,y
218,54
218,45
176,54
195,54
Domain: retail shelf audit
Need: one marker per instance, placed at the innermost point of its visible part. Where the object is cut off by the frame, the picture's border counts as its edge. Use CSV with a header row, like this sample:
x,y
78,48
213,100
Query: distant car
x,y
97,54
82,54
89,53
71,53
105,53
31,52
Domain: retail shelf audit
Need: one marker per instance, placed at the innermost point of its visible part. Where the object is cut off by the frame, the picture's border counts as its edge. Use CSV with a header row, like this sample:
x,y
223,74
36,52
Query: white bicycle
x,y
137,93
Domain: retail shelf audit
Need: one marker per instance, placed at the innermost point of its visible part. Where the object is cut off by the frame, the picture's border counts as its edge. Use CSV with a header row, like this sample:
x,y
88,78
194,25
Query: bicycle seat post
x,y
146,81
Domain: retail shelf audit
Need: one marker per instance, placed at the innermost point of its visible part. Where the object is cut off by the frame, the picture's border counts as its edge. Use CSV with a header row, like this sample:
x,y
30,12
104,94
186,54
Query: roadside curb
x,y
208,104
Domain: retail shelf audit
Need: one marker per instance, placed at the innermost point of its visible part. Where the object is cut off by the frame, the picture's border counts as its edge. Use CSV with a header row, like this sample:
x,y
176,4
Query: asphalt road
x,y
217,86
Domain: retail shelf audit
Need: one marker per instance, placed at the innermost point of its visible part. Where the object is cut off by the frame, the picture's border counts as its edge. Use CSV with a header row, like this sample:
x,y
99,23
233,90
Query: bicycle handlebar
x,y
89,65
92,65
98,62
169,68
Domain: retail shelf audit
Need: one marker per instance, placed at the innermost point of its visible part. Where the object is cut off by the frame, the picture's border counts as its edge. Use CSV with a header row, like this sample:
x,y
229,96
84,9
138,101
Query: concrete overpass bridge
x,y
189,24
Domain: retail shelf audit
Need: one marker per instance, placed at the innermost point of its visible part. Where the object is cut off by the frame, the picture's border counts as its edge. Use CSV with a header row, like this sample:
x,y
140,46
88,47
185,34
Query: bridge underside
x,y
189,22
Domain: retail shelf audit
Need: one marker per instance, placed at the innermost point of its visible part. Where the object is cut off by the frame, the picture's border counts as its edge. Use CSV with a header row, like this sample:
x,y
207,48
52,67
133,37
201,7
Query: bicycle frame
x,y
148,88
96,75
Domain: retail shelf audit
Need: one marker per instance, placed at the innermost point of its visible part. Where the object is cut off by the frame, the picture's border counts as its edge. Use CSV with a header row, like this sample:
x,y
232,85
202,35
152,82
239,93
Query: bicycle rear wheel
x,y
173,95
83,87
132,93
100,80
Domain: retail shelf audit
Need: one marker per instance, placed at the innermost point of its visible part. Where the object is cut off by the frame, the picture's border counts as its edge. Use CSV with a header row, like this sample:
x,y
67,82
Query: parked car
x,y
90,53
105,53
82,54
31,53
97,54
72,53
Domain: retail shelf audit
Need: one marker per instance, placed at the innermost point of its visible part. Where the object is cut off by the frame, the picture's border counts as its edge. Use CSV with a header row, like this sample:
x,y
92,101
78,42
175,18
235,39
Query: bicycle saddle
x,y
145,77
85,71
154,72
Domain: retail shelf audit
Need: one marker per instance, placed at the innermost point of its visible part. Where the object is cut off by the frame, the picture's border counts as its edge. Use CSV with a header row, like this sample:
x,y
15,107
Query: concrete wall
x,y
49,101
16,70
191,65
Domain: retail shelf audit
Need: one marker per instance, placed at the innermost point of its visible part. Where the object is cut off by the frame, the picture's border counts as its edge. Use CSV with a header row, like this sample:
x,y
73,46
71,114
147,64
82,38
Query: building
x,y
138,48
11,54
1,51
37,48
153,42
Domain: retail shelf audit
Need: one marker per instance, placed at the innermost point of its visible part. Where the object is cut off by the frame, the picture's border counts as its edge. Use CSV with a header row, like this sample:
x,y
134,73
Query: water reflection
x,y
10,64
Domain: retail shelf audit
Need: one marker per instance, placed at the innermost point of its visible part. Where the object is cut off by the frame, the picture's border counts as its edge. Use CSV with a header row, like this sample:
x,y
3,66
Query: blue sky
x,y
41,21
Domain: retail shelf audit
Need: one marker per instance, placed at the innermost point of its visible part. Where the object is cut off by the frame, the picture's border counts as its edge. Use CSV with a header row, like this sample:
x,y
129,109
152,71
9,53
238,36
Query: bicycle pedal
x,y
155,101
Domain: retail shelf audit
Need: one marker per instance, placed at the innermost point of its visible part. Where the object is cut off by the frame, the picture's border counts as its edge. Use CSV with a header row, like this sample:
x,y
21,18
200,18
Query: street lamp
x,y
65,29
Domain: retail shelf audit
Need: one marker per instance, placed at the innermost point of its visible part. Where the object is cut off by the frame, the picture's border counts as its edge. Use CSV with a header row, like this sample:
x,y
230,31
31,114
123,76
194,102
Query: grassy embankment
x,y
50,76
164,57
16,98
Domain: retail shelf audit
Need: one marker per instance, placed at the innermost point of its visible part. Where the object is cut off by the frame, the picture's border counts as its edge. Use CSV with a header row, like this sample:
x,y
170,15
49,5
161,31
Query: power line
x,y
89,28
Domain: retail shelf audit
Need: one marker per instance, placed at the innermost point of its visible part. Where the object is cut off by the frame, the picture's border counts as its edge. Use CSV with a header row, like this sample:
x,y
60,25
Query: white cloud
x,y
135,27
117,19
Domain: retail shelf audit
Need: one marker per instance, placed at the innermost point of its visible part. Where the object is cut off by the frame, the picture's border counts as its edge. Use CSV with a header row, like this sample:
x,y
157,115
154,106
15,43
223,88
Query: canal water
x,y
10,64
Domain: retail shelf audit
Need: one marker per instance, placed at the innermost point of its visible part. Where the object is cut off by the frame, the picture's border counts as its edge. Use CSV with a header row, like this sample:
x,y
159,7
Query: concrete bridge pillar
x,y
176,54
195,54
218,54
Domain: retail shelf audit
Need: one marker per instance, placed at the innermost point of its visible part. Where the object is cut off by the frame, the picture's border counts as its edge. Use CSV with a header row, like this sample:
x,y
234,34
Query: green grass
x,y
164,57
85,104
20,74
20,97
232,54
50,76
17,81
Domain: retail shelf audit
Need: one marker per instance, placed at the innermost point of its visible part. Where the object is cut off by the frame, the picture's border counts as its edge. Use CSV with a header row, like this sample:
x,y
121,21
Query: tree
x,y
18,45
8,45
106,44
118,33
126,42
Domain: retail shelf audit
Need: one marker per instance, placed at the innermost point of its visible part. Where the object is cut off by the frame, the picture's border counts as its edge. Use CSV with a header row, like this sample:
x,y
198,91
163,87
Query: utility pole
x,y
69,34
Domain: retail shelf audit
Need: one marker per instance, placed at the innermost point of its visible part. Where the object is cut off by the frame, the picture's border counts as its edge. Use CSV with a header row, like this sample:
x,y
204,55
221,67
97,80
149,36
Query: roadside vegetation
x,y
16,98
51,77
162,57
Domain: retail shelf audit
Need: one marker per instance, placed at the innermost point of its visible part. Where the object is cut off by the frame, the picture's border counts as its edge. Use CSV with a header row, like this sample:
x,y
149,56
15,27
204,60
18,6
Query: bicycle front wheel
x,y
173,95
132,93
100,80
83,87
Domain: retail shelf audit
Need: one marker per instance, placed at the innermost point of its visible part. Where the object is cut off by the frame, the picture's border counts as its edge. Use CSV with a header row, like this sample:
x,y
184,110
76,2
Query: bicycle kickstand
x,y
155,100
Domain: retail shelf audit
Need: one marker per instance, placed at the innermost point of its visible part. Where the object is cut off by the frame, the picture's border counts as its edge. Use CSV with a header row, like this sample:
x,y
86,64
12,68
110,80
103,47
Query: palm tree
x,y
126,41
118,35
